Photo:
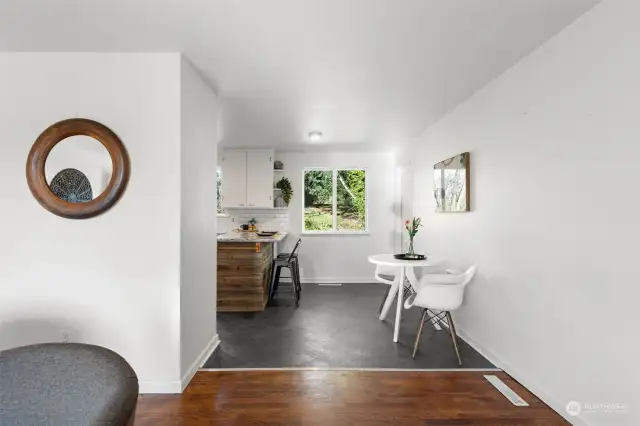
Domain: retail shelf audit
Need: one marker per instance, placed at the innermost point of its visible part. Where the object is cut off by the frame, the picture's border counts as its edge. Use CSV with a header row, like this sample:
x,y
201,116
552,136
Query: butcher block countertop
x,y
249,237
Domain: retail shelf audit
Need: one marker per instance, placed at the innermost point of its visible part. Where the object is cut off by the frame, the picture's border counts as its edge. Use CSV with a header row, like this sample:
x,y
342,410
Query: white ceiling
x,y
370,74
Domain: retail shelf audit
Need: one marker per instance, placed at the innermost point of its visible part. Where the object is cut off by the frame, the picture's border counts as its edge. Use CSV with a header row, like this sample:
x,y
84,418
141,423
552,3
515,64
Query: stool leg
x,y
295,282
299,279
271,276
276,280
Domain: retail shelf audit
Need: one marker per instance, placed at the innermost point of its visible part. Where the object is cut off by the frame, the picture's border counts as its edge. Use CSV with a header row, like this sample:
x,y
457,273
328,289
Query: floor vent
x,y
506,391
330,285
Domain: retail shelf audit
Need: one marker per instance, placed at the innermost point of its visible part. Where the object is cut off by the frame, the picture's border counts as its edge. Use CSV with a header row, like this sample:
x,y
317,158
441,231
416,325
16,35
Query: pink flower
x,y
407,222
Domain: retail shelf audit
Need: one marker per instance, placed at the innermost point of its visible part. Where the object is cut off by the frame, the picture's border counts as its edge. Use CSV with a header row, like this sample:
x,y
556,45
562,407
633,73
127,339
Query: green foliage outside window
x,y
350,192
219,192
317,187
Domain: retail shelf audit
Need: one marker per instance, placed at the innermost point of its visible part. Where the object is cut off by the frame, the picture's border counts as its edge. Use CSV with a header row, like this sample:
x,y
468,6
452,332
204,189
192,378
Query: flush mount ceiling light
x,y
315,136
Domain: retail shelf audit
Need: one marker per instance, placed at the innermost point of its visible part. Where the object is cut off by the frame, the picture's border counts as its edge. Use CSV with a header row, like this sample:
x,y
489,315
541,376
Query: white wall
x,y
343,258
198,243
554,227
113,280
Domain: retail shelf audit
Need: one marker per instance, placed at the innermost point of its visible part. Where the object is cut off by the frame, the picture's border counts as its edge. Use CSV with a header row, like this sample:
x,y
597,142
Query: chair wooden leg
x,y
384,299
454,337
415,346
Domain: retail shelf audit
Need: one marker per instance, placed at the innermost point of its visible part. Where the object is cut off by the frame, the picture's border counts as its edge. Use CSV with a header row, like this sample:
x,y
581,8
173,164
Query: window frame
x,y
334,201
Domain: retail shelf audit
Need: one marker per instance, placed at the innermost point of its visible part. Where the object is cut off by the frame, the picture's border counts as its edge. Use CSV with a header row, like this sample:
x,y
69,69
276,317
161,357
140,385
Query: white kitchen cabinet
x,y
234,178
260,178
247,178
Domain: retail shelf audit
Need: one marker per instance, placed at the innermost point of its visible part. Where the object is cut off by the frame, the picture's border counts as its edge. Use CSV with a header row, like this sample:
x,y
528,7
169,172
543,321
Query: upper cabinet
x,y
260,178
234,178
247,178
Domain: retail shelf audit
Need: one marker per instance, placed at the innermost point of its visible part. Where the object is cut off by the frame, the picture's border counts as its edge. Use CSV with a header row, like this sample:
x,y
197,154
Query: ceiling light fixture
x,y
315,136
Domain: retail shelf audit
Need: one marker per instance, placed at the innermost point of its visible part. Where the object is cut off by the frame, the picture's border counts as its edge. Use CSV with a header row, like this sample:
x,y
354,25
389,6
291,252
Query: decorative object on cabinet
x,y
287,192
280,202
277,165
77,133
452,184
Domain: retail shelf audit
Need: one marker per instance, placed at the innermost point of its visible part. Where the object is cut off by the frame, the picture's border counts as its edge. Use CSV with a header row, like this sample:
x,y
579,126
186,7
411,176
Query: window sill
x,y
333,233
254,208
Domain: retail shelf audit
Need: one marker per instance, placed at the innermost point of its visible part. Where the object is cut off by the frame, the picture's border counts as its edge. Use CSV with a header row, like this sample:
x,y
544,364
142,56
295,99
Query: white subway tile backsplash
x,y
277,220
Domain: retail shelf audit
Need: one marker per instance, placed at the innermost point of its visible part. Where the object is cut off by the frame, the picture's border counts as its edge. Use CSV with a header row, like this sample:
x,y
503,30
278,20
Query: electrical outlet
x,y
65,337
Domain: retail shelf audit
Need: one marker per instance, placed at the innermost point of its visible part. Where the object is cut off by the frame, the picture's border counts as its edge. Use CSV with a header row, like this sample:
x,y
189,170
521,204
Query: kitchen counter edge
x,y
236,237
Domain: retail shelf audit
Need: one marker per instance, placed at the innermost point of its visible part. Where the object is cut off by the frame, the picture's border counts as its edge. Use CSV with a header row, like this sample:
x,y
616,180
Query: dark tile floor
x,y
333,327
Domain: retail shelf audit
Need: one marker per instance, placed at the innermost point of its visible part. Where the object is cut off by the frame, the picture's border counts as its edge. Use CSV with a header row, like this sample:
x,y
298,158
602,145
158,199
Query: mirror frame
x,y
56,133
467,168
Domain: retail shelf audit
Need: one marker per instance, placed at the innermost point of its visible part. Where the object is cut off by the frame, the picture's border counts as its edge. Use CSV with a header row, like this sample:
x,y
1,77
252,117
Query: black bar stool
x,y
287,260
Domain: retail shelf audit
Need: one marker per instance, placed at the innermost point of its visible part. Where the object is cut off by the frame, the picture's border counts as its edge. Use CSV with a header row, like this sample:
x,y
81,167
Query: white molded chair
x,y
387,275
443,293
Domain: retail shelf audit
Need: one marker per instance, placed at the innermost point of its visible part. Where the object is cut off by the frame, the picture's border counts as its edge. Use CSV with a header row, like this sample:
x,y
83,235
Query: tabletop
x,y
389,260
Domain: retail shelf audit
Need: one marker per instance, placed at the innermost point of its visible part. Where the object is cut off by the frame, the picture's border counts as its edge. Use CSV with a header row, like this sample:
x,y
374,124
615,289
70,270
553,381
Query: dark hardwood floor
x,y
354,398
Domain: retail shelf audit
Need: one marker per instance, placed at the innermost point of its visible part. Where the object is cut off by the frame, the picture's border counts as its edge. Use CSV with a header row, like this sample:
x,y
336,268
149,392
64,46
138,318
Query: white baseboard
x,y
199,361
160,387
177,387
523,379
337,280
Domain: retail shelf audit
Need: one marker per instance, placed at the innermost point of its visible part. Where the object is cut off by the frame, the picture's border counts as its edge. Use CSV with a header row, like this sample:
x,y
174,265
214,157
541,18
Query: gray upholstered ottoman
x,y
64,384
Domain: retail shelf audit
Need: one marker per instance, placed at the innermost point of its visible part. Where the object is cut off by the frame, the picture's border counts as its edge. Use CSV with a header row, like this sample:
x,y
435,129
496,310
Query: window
x,y
318,200
219,194
335,200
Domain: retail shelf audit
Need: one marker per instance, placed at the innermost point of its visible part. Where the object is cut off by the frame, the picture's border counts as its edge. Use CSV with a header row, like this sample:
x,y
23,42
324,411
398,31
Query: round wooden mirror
x,y
90,162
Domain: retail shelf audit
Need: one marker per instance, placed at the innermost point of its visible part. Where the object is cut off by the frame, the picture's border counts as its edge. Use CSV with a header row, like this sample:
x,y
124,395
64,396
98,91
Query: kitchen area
x,y
253,227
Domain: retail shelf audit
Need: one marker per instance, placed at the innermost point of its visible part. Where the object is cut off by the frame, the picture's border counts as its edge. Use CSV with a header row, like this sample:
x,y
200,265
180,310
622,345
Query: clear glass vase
x,y
410,250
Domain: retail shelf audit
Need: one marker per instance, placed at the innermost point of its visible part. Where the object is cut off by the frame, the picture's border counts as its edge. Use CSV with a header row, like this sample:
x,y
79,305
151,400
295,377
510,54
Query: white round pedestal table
x,y
398,286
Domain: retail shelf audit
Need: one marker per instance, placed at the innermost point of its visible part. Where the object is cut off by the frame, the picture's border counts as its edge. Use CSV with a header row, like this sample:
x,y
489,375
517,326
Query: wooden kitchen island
x,y
244,270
